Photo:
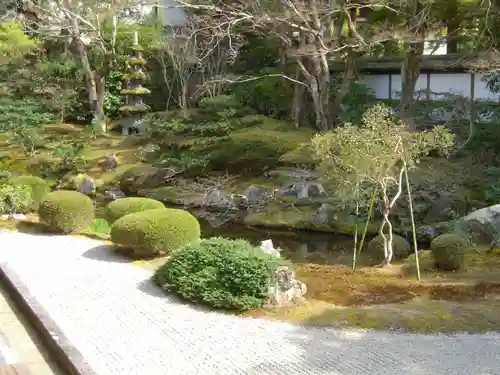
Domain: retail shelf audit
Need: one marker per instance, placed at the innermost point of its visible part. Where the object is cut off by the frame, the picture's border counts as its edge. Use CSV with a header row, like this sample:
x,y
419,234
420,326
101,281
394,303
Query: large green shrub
x,y
449,251
14,199
400,247
155,232
39,188
219,272
66,211
124,206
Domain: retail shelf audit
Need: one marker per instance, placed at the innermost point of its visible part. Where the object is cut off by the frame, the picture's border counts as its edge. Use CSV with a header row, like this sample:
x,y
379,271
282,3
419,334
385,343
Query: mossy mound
x,y
426,263
449,251
400,247
66,211
155,232
124,206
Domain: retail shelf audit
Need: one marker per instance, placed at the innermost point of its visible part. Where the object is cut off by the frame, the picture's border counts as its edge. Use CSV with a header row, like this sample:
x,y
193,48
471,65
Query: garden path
x,y
119,322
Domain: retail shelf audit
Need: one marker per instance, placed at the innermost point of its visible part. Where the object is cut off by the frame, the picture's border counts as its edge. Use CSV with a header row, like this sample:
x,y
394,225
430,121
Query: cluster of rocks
x,y
284,288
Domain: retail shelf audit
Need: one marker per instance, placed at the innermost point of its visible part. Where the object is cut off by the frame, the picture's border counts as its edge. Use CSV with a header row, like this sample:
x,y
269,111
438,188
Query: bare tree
x,y
312,32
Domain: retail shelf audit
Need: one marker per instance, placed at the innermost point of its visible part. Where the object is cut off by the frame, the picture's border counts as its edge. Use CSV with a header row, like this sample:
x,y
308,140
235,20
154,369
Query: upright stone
x,y
134,109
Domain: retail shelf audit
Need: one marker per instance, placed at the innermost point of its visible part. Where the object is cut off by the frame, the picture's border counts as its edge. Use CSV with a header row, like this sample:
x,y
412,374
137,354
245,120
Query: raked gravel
x,y
122,324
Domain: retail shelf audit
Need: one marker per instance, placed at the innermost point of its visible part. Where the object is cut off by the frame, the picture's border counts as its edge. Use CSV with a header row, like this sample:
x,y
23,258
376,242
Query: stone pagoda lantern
x,y
134,109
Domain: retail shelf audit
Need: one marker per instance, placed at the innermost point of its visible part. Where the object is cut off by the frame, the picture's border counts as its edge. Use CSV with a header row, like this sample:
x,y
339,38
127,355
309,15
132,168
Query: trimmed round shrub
x,y
449,251
426,262
39,188
14,199
124,206
66,211
219,272
155,232
400,247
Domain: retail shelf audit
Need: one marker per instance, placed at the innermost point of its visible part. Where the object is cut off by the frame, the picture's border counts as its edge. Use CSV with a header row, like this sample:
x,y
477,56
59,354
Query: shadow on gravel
x,y
105,253
349,352
150,288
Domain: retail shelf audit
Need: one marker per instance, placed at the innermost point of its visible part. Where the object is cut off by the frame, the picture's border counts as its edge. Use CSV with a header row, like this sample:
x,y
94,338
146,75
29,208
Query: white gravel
x,y
122,324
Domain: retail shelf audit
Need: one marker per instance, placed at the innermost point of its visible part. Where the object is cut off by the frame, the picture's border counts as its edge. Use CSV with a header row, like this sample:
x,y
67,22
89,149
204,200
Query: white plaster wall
x,y
453,83
171,14
396,85
379,83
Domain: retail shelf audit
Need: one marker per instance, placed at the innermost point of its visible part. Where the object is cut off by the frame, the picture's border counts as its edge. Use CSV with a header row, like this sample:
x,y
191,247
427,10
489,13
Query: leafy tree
x,y
373,157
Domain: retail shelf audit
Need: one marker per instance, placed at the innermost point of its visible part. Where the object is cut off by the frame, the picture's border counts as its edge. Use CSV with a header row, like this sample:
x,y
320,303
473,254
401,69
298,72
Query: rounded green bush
x,y
124,206
449,251
155,232
39,188
66,211
219,272
400,247
426,262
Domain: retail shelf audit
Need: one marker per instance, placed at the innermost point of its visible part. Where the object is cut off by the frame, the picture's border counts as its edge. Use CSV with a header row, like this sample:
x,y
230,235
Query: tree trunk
x,y
410,70
347,78
98,104
452,25
298,99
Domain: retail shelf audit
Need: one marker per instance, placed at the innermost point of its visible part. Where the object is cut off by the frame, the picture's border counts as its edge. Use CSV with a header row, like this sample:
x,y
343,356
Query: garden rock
x,y
254,195
324,215
217,200
284,288
218,219
481,226
109,163
87,186
114,194
303,189
267,246
146,177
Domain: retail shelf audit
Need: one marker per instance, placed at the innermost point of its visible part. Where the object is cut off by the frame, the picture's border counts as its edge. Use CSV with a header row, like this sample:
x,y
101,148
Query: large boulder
x,y
145,176
481,227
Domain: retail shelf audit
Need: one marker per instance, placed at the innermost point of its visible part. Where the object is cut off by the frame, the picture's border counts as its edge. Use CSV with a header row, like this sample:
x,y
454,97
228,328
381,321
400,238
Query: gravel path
x,y
122,324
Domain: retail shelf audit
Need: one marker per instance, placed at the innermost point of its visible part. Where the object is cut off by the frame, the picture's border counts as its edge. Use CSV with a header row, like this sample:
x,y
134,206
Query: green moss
x,y
135,109
155,232
136,49
449,251
400,247
136,61
135,75
137,91
277,215
426,261
141,176
301,155
66,211
172,195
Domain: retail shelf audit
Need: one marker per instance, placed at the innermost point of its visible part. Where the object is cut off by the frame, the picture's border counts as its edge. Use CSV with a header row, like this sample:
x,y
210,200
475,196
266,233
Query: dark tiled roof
x,y
451,62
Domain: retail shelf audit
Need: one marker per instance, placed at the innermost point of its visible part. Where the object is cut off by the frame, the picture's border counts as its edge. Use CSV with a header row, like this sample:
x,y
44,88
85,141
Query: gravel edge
x,y
65,354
